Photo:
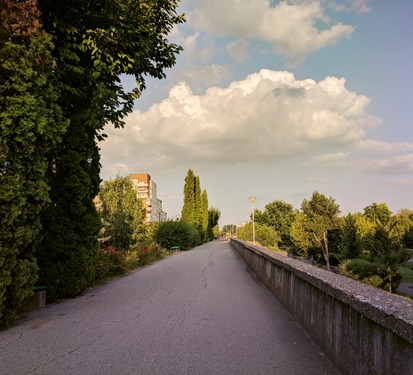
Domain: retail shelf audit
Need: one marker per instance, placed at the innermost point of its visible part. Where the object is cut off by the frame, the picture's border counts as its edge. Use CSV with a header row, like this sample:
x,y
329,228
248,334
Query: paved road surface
x,y
198,312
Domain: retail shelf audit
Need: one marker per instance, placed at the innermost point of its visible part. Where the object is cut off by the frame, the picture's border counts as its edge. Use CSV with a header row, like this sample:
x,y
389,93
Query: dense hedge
x,y
177,233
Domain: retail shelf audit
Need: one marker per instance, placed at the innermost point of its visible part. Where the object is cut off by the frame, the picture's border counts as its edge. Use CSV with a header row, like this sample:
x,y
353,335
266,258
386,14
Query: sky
x,y
276,100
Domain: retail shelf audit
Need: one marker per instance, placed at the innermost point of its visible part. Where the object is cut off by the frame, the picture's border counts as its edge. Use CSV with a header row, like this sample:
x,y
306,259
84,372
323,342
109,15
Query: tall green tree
x,y
195,207
213,219
350,245
279,215
197,202
400,227
320,215
31,125
188,208
378,212
95,43
122,214
204,210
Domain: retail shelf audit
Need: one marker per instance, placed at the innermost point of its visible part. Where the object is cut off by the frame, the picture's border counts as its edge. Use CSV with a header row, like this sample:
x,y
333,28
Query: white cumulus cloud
x,y
294,29
266,117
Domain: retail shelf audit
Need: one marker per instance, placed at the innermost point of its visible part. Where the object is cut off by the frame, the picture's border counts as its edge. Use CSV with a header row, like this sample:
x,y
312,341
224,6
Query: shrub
x,y
176,233
148,254
109,263
265,235
373,274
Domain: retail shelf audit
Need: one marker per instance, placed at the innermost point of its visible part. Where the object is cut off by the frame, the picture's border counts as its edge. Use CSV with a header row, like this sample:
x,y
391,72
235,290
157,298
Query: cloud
x,y
209,75
196,53
357,6
398,164
373,145
238,50
360,6
264,118
366,158
332,161
294,29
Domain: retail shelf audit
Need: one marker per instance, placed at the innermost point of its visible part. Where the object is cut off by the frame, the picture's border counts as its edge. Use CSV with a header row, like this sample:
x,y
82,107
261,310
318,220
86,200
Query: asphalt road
x,y
197,312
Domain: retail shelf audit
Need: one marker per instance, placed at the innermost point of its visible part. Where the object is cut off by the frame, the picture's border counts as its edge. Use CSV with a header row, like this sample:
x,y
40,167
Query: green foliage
x,y
177,233
188,213
265,235
401,228
122,214
197,203
406,270
213,218
378,239
373,274
279,215
195,207
302,241
378,213
96,42
111,262
310,230
147,254
230,228
31,125
66,256
204,211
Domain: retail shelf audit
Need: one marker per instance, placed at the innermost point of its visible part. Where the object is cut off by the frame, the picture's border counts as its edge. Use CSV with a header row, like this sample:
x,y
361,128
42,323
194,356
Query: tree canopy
x,y
31,125
319,215
61,67
279,215
122,214
95,43
195,209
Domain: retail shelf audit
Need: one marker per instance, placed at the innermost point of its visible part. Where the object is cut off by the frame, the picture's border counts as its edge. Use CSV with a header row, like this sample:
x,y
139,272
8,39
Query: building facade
x,y
146,191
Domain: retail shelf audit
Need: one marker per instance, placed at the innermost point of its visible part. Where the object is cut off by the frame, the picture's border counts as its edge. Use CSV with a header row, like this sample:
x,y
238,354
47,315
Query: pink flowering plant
x,y
111,262
149,254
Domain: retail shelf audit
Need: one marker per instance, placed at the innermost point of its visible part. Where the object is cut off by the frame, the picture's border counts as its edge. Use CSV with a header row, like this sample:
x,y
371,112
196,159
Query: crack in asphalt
x,y
63,355
205,270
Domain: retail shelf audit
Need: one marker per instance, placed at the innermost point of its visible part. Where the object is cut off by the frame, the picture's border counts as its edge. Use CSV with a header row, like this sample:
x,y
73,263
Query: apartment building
x,y
146,190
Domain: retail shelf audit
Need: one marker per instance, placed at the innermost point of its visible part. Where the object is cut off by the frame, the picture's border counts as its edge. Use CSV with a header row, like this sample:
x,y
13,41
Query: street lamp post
x,y
252,199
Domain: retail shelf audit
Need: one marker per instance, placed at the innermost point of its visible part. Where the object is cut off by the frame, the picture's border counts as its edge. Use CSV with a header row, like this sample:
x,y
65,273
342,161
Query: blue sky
x,y
275,100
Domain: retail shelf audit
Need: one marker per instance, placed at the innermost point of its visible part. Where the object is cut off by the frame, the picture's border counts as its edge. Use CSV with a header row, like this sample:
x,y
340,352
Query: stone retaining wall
x,y
363,330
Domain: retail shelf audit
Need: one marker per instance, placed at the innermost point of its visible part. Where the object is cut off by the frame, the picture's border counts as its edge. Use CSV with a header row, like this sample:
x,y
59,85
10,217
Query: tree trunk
x,y
325,250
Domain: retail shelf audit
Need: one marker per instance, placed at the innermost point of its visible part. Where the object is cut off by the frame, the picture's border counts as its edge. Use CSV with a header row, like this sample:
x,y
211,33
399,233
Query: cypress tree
x,y
198,202
204,212
188,208
31,125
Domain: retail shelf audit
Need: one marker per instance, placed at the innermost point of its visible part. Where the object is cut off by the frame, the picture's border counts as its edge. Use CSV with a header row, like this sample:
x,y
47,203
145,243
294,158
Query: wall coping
x,y
390,311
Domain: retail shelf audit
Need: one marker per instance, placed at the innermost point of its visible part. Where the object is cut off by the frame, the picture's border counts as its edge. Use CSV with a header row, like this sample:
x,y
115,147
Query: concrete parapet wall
x,y
363,330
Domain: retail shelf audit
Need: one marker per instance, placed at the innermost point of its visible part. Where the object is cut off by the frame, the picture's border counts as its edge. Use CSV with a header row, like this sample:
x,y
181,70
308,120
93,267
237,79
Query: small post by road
x,y
252,199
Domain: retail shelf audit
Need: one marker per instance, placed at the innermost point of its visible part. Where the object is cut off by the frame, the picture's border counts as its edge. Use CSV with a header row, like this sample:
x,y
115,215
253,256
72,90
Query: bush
x,y
147,254
264,235
177,233
111,262
373,274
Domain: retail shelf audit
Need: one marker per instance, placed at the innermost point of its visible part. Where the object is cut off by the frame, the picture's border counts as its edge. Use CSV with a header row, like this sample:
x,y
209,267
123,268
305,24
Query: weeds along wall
x,y
361,329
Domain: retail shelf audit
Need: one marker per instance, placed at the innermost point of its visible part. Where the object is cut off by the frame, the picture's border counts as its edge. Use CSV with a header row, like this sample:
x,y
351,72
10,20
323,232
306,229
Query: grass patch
x,y
407,271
